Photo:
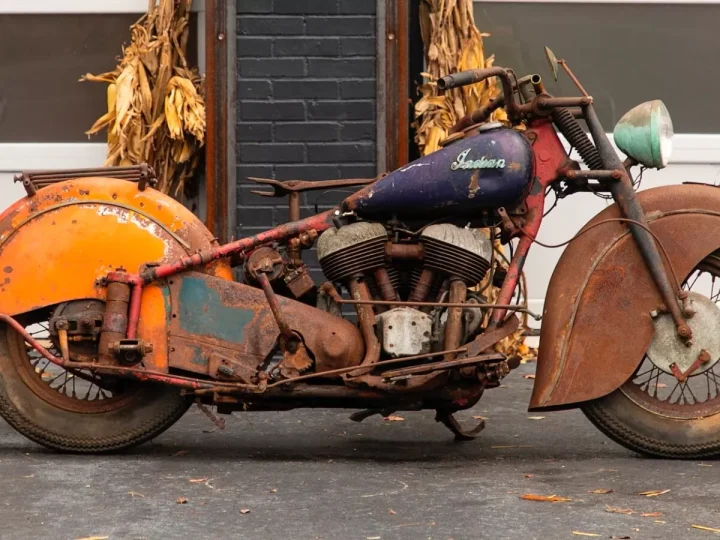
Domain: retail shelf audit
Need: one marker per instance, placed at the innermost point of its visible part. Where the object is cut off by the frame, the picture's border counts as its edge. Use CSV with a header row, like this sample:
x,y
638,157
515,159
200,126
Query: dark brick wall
x,y
306,99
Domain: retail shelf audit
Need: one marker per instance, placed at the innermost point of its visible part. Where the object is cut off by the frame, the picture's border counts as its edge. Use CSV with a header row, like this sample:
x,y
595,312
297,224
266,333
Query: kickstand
x,y
362,415
219,422
450,422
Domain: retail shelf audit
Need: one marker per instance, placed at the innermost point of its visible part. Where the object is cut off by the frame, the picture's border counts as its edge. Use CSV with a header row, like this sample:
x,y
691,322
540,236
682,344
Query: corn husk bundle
x,y
453,43
155,107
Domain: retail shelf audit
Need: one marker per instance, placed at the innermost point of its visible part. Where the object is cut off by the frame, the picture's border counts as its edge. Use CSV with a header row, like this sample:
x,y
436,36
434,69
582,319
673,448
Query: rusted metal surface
x,y
281,189
498,307
266,261
299,282
445,364
366,320
142,174
213,315
602,286
550,156
272,301
394,251
115,320
422,287
387,291
453,325
624,196
319,222
489,338
476,75
478,115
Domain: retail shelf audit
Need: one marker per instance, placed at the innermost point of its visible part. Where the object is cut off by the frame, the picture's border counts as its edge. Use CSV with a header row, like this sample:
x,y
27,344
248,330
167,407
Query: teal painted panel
x,y
202,311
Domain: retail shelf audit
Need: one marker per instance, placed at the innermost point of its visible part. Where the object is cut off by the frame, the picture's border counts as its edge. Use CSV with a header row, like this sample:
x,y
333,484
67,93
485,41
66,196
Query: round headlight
x,y
645,134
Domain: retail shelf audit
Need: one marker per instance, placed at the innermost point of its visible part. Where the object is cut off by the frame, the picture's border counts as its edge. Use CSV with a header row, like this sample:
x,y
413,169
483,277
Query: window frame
x,y
688,148
15,157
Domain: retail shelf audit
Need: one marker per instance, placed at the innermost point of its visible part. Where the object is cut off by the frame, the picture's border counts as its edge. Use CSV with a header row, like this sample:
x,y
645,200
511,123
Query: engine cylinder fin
x,y
448,258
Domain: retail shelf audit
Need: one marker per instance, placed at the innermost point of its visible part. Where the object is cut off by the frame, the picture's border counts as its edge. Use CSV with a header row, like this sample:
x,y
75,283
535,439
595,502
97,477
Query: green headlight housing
x,y
645,134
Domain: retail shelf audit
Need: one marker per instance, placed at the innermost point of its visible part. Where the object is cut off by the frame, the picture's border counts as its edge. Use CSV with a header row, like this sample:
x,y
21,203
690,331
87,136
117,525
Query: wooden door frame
x,y
221,110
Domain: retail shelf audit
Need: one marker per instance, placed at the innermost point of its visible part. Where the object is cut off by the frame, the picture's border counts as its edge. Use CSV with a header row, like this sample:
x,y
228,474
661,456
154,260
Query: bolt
x,y
654,313
684,331
617,175
704,356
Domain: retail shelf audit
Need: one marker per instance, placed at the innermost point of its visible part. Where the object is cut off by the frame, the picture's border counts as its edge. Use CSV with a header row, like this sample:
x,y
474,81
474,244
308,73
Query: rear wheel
x,y
77,411
656,414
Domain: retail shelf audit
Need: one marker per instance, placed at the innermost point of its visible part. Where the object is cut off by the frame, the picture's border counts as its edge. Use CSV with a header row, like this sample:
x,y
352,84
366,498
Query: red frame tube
x,y
318,223
550,157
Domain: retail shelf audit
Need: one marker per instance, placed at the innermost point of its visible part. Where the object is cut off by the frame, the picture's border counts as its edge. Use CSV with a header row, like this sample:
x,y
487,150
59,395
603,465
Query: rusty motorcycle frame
x,y
136,297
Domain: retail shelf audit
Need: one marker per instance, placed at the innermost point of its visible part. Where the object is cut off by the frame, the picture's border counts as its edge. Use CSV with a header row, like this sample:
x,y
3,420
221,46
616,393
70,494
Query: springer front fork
x,y
550,159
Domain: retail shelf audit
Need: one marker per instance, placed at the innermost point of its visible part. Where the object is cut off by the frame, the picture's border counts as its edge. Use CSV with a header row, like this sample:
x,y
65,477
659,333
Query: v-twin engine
x,y
436,265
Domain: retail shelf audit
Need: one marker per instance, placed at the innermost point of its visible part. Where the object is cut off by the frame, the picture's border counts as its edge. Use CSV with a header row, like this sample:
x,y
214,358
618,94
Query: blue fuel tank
x,y
489,170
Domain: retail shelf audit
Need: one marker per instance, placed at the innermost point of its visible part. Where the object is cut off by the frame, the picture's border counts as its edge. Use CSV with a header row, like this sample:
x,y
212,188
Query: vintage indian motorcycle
x,y
120,310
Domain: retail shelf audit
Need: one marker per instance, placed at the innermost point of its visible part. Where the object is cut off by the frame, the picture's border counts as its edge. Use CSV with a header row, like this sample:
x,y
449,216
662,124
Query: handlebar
x,y
541,104
471,76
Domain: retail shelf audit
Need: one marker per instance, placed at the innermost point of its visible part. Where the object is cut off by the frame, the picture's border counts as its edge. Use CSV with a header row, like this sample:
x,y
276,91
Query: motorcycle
x,y
120,309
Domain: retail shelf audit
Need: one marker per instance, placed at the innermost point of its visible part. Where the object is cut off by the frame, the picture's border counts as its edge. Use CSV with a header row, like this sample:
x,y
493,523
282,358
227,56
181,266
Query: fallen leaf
x,y
653,493
529,476
529,376
244,510
661,385
543,498
198,480
134,494
499,447
181,500
180,453
480,418
391,511
29,476
615,510
584,533
373,538
709,529
704,465
94,538
601,491
536,418
273,490
392,418
652,514
659,521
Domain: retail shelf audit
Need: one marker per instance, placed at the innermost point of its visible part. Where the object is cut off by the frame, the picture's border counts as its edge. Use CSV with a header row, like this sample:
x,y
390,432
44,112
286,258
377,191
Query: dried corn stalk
x,y
155,108
453,43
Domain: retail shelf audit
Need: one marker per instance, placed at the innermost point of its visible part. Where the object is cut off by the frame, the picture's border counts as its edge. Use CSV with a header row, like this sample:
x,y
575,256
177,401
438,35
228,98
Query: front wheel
x,y
77,411
656,414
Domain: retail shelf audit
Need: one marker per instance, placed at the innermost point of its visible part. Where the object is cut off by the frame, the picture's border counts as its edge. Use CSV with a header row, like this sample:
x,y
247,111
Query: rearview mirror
x,y
552,61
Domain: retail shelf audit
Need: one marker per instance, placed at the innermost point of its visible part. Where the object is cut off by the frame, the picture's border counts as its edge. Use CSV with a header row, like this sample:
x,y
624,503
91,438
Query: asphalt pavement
x,y
315,474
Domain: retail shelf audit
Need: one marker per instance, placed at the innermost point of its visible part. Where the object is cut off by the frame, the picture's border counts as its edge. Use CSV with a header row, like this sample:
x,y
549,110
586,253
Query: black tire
x,y
148,412
645,432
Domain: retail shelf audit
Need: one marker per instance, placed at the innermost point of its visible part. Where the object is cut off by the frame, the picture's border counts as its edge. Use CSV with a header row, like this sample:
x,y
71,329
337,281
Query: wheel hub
x,y
666,349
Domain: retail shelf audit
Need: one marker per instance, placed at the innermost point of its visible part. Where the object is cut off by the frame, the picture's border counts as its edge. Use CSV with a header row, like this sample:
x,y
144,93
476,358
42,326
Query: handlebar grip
x,y
463,78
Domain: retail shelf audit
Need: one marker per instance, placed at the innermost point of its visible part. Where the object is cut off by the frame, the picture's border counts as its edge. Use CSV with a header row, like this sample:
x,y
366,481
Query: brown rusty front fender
x,y
597,325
